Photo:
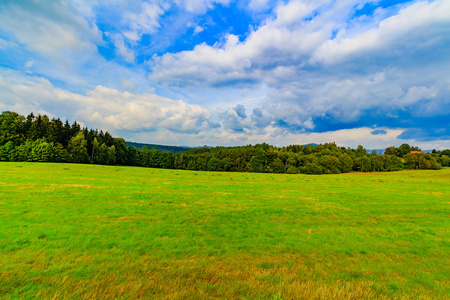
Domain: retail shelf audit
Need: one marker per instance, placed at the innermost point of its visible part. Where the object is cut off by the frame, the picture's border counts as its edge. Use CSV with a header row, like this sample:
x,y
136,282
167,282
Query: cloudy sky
x,y
224,72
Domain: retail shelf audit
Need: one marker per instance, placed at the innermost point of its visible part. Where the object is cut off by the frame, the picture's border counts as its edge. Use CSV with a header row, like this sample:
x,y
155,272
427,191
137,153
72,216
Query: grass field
x,y
71,231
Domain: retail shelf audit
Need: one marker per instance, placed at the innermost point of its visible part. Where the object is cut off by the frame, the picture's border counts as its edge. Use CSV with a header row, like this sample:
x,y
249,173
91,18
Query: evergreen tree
x,y
11,128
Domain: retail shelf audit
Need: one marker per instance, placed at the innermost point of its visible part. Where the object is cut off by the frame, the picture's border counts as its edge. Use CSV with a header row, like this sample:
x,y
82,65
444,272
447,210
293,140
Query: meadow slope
x,y
70,231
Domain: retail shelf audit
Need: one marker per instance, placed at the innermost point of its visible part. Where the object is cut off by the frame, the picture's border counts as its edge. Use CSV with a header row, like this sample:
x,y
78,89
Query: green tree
x,y
121,151
11,128
155,158
305,159
363,164
311,168
346,163
7,151
214,164
39,128
55,131
43,151
226,164
277,166
111,155
133,157
23,152
392,163
77,148
257,162
391,151
421,161
95,147
145,157
168,160
61,154
444,160
106,155
405,149
66,134
377,162
330,164
360,151
292,170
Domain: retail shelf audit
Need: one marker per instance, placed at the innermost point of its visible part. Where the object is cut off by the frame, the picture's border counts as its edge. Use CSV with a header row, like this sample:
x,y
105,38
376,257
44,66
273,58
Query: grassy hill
x,y
88,232
173,149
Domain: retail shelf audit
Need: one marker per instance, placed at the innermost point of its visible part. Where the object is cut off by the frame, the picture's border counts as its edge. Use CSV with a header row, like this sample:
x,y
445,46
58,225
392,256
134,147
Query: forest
x,y
39,138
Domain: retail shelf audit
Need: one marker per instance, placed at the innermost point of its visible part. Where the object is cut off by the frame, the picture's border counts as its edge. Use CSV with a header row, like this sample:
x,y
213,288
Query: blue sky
x,y
222,72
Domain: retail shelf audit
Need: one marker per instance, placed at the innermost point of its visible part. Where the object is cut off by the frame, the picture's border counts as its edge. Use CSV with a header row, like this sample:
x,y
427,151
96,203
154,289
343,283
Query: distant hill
x,y
179,149
164,148
381,151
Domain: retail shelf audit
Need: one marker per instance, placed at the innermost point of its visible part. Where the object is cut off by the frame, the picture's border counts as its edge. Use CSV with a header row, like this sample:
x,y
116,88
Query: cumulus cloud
x,y
307,69
105,108
235,119
421,24
324,71
300,36
151,118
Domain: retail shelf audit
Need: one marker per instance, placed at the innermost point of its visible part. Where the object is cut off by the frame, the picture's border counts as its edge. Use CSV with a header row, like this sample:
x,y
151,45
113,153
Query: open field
x,y
86,231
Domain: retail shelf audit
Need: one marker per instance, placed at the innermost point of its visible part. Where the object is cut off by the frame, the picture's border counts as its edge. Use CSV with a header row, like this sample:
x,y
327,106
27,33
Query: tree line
x,y
39,138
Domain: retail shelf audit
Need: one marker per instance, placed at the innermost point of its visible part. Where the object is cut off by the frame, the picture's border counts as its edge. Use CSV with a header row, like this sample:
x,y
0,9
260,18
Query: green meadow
x,y
72,231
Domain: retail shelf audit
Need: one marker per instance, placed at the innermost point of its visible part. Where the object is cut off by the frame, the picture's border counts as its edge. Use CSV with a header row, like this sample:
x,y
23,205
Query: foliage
x,y
421,161
77,148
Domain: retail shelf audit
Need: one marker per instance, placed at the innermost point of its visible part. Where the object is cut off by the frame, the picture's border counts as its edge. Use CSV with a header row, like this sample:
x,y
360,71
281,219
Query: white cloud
x,y
293,42
198,29
29,64
3,44
308,62
295,11
414,26
50,28
105,108
199,6
141,112
127,85
417,93
272,45
144,21
374,63
259,5
154,119
122,48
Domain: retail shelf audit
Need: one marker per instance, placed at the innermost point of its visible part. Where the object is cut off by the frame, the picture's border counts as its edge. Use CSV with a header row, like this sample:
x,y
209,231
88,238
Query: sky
x,y
230,73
